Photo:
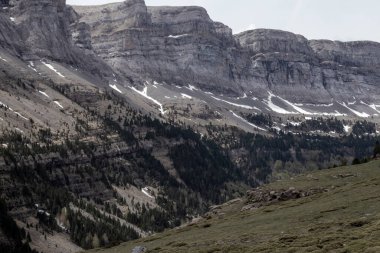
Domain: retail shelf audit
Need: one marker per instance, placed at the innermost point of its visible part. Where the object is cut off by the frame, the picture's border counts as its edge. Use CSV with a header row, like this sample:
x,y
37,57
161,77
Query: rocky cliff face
x,y
172,44
43,29
293,66
181,45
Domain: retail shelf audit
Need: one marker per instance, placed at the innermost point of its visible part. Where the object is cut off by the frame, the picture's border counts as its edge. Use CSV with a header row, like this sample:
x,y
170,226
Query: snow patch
x,y
360,114
373,106
244,96
20,115
191,87
347,128
44,93
31,66
52,68
12,19
19,130
186,96
293,123
145,190
113,86
1,58
295,107
178,36
59,104
237,105
298,110
4,105
274,107
247,122
144,93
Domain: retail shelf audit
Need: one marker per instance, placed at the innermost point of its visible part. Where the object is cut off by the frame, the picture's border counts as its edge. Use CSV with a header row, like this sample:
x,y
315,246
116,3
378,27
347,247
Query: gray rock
x,y
182,45
139,249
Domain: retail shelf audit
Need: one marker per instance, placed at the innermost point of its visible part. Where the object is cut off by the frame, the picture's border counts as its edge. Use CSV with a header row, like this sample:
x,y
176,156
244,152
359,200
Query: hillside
x,y
340,215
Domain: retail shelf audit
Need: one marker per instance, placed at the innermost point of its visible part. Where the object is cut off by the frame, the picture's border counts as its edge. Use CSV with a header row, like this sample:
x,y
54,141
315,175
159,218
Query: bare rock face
x,y
172,44
271,41
43,28
354,54
81,35
38,29
312,71
182,45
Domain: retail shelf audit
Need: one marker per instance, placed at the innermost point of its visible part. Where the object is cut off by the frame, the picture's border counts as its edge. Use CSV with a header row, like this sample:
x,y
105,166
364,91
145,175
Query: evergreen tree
x,y
376,150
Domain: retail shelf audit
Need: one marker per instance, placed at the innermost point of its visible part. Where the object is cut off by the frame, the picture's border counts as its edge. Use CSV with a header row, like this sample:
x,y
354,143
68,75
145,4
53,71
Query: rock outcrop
x,y
42,29
260,197
292,66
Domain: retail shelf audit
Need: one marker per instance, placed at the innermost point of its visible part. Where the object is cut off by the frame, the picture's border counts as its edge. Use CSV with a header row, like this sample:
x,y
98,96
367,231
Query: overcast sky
x,y
316,19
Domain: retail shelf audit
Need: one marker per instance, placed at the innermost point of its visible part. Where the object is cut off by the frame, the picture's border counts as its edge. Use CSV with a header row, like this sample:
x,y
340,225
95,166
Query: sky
x,y
344,20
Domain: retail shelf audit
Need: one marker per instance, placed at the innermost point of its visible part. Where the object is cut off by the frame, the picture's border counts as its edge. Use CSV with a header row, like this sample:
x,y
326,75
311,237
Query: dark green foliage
x,y
204,168
376,150
363,127
355,161
263,151
318,124
150,219
261,119
108,231
12,232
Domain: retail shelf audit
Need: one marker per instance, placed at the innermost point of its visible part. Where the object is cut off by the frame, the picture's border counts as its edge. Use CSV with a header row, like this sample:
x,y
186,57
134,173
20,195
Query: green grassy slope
x,y
344,218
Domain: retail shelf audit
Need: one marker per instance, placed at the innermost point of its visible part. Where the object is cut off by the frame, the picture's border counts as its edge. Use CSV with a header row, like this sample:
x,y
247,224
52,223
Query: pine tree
x,y
376,150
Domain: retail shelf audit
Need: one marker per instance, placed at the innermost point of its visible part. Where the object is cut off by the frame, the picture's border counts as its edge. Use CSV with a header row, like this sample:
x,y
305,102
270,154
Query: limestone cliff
x,y
181,45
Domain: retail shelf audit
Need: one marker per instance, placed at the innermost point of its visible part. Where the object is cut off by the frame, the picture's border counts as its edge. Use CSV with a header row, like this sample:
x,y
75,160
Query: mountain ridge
x,y
314,70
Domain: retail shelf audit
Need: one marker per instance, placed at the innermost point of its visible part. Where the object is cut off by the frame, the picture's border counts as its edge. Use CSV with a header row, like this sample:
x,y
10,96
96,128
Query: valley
x,y
123,121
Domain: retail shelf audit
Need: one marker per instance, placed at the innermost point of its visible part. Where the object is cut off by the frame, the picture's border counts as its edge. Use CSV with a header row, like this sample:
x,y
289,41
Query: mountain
x,y
182,45
120,121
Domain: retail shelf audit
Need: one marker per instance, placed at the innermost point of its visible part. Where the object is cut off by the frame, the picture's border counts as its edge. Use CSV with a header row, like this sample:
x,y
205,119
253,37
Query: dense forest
x,y
17,239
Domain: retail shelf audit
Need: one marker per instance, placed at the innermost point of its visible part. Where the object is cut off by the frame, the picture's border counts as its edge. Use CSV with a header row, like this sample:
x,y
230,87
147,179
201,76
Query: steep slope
x,y
36,30
311,71
326,211
182,45
171,44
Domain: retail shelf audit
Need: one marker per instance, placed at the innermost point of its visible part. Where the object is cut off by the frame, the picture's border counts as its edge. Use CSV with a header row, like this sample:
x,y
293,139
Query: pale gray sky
x,y
315,19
